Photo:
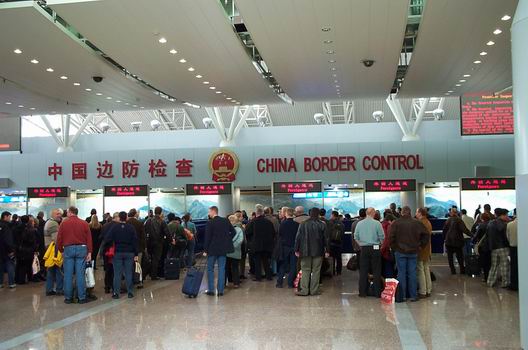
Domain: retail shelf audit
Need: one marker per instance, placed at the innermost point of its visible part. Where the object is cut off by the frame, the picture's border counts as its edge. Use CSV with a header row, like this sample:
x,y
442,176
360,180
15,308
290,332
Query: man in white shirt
x,y
511,232
469,222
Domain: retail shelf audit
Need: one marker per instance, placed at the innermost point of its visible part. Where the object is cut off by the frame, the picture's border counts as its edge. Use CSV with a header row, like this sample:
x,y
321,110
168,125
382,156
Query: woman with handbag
x,y
108,253
190,232
27,249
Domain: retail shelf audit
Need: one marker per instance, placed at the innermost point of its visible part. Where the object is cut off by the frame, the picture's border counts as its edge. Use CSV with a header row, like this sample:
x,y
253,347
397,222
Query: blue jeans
x,y
55,277
189,250
406,264
289,264
75,262
211,260
123,261
8,265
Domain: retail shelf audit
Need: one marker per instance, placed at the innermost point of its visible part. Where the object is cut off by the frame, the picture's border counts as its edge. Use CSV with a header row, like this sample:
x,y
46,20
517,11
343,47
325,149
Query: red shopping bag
x,y
297,281
389,293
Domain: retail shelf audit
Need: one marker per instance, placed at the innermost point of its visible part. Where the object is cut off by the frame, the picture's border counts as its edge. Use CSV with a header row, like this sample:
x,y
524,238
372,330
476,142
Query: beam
x,y
66,131
83,126
398,114
241,122
111,117
219,119
232,125
419,117
211,114
51,130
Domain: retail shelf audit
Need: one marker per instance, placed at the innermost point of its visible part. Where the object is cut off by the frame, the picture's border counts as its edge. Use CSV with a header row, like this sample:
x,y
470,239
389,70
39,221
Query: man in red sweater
x,y
75,241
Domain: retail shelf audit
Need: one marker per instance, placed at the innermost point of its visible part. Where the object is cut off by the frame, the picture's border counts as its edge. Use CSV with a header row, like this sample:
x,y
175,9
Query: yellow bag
x,y
50,259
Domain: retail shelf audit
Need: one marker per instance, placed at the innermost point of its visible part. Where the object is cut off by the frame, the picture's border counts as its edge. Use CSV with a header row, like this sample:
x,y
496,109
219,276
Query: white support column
x,y
399,116
66,130
241,123
519,41
81,129
234,120
221,131
53,134
419,117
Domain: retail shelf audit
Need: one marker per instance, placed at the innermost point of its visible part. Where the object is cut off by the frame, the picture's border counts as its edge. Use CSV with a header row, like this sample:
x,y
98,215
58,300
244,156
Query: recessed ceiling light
x,y
174,52
326,29
20,106
108,98
336,81
162,40
330,52
458,84
88,89
490,43
228,98
198,76
334,75
63,77
183,60
49,69
219,92
467,75
477,62
98,94
338,86
212,87
76,84
205,82
17,51
190,69
483,53
333,68
141,107
450,91
462,80
32,108
328,41
447,94
8,103
497,31
118,101
34,61
134,105
126,103
506,18
331,61
234,101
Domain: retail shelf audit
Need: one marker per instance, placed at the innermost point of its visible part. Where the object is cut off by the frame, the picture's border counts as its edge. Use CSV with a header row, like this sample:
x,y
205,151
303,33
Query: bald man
x,y
369,234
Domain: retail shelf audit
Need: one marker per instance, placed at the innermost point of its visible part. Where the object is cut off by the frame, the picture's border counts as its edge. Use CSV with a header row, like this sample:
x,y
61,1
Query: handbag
x,y
89,276
353,264
138,273
389,293
35,266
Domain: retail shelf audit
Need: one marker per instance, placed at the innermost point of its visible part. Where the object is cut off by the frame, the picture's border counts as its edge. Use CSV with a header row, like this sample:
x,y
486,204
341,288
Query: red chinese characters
x,y
129,169
79,171
105,170
158,168
55,171
183,168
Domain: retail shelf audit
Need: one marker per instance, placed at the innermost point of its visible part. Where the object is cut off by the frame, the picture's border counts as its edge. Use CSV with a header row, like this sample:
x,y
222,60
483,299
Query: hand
x,y
327,255
297,254
204,254
136,259
173,242
89,257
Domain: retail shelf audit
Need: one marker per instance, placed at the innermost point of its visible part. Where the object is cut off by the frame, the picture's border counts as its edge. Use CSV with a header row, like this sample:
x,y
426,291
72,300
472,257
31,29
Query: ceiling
x,y
32,86
451,37
198,30
289,35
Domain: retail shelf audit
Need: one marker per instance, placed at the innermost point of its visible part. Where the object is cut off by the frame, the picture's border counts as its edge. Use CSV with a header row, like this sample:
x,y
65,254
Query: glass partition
x,y
14,204
249,199
344,204
470,200
439,200
170,202
86,201
382,200
47,205
198,206
117,204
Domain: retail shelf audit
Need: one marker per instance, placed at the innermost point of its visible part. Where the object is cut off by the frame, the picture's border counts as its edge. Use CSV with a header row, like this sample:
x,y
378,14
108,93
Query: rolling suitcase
x,y
192,282
172,268
472,266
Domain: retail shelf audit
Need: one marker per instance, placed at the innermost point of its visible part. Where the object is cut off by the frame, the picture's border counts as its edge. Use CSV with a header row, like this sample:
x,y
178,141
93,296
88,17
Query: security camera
x,y
207,122
319,118
97,79
104,126
368,63
136,125
438,114
57,130
378,116
155,124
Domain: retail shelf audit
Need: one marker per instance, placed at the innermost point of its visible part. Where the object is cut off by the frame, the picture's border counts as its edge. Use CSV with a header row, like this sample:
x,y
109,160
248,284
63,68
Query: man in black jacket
x,y
499,246
454,229
218,243
260,234
156,233
287,259
7,250
334,232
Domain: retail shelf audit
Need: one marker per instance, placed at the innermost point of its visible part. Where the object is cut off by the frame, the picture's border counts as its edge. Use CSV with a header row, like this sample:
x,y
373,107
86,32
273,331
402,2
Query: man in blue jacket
x,y
218,243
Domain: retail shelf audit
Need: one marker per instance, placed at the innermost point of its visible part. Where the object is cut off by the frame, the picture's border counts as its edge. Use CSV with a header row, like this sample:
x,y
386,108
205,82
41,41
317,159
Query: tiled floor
x,y
461,314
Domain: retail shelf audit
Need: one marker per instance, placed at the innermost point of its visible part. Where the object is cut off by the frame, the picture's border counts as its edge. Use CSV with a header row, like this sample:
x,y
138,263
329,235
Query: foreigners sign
x,y
297,187
207,189
48,192
487,184
126,191
403,185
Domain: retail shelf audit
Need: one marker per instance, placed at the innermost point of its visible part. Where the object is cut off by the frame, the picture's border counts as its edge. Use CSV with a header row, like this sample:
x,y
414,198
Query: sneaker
x,y
130,295
212,294
51,293
12,286
68,301
220,294
115,296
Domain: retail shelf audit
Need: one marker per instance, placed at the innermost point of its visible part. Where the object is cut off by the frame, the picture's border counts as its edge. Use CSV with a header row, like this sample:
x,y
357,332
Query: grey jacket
x,y
311,239
51,228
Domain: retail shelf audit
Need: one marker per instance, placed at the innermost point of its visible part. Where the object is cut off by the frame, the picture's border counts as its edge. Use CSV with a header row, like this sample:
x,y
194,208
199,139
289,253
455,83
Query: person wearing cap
x,y
500,249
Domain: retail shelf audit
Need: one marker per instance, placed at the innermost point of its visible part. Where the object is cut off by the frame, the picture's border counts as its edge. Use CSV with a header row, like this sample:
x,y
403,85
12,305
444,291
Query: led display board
x,y
207,189
486,114
297,187
395,185
126,191
48,192
487,184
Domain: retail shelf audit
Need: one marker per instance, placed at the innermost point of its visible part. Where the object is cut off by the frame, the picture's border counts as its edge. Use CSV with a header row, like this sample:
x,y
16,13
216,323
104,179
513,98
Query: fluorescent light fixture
x,y
190,69
212,87
198,76
333,68
108,98
483,53
497,31
76,84
63,77
462,80
141,107
174,52
20,106
49,69
458,84
162,40
88,89
32,108
467,75
228,98
505,18
8,103
219,92
477,62
118,101
450,91
17,51
134,105
205,82
490,43
331,61
34,61
98,94
183,60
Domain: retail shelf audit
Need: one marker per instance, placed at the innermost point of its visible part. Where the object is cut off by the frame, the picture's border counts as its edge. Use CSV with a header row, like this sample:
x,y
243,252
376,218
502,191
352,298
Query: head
x,y
487,208
502,214
322,212
259,210
370,212
233,219
122,216
6,216
94,221
115,217
463,212
406,211
132,213
93,212
363,213
485,217
73,211
14,218
56,214
392,206
421,213
347,216
290,213
40,214
187,217
335,215
26,220
171,217
282,212
387,216
213,211
158,211
299,210
268,211
315,213
453,212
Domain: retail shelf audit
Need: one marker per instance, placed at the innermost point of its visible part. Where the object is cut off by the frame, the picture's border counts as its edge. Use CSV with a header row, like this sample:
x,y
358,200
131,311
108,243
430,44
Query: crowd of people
x,y
292,246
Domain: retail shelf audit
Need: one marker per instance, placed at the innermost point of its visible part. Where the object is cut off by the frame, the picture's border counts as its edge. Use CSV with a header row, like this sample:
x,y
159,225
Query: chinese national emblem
x,y
224,166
